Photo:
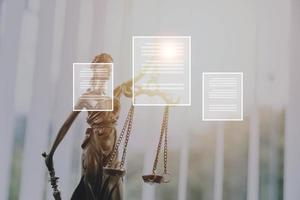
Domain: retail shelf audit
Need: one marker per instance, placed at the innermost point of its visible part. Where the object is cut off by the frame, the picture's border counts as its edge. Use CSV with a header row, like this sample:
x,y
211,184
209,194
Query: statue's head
x,y
103,58
101,72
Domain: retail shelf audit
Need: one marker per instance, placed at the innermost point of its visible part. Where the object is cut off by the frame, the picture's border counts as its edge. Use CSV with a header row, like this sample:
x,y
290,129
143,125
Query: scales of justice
x,y
102,170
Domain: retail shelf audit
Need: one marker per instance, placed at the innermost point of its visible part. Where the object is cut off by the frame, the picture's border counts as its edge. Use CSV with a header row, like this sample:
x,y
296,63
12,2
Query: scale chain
x,y
162,134
126,124
127,138
166,141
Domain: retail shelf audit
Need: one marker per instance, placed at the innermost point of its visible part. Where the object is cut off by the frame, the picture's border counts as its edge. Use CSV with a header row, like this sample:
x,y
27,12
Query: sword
x,y
53,179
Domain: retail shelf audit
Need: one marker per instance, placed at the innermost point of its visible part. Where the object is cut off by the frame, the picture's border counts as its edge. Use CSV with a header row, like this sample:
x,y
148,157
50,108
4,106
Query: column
x,y
183,168
292,135
9,46
64,98
219,162
37,131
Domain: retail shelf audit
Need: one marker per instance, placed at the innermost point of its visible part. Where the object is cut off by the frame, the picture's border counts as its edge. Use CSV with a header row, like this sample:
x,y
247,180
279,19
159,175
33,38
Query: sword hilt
x,y
53,179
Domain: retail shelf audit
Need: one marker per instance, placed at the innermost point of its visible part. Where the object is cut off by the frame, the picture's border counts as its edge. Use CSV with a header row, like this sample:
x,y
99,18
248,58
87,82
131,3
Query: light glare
x,y
168,51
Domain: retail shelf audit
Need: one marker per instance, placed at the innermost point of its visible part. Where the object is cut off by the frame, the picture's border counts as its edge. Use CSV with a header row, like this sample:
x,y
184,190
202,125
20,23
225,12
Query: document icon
x,y
93,86
161,67
222,96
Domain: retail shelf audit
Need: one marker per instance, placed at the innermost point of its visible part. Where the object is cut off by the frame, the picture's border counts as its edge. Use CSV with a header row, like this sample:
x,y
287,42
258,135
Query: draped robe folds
x,y
98,144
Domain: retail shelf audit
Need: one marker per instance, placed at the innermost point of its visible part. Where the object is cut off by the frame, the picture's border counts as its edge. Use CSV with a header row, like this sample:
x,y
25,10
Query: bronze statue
x,y
98,144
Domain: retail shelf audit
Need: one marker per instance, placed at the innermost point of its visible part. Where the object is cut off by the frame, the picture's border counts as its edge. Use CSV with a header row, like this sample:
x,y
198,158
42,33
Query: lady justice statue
x,y
101,172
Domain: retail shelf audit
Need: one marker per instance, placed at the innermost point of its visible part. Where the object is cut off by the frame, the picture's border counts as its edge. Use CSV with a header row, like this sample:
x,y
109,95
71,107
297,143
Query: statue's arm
x,y
126,87
63,130
60,136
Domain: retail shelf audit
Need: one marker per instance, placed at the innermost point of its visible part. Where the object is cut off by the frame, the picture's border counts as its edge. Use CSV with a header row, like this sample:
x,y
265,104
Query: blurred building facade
x,y
254,159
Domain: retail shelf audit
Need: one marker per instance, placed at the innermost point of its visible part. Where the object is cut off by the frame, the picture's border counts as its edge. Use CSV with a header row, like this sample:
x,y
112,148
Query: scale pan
x,y
114,171
151,179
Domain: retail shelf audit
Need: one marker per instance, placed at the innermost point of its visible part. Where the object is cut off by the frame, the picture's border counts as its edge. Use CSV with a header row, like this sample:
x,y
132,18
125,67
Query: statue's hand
x,y
48,161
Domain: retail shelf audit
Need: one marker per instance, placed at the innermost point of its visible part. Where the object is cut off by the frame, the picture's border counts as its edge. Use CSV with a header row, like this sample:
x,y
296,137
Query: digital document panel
x,y
93,86
161,71
222,96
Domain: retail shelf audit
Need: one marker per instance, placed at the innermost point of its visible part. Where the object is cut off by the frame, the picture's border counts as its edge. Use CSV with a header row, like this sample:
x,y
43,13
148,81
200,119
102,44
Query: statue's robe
x,y
97,146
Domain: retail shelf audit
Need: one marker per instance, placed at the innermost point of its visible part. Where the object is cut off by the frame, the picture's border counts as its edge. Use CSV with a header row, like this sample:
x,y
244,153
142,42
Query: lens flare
x,y
168,51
